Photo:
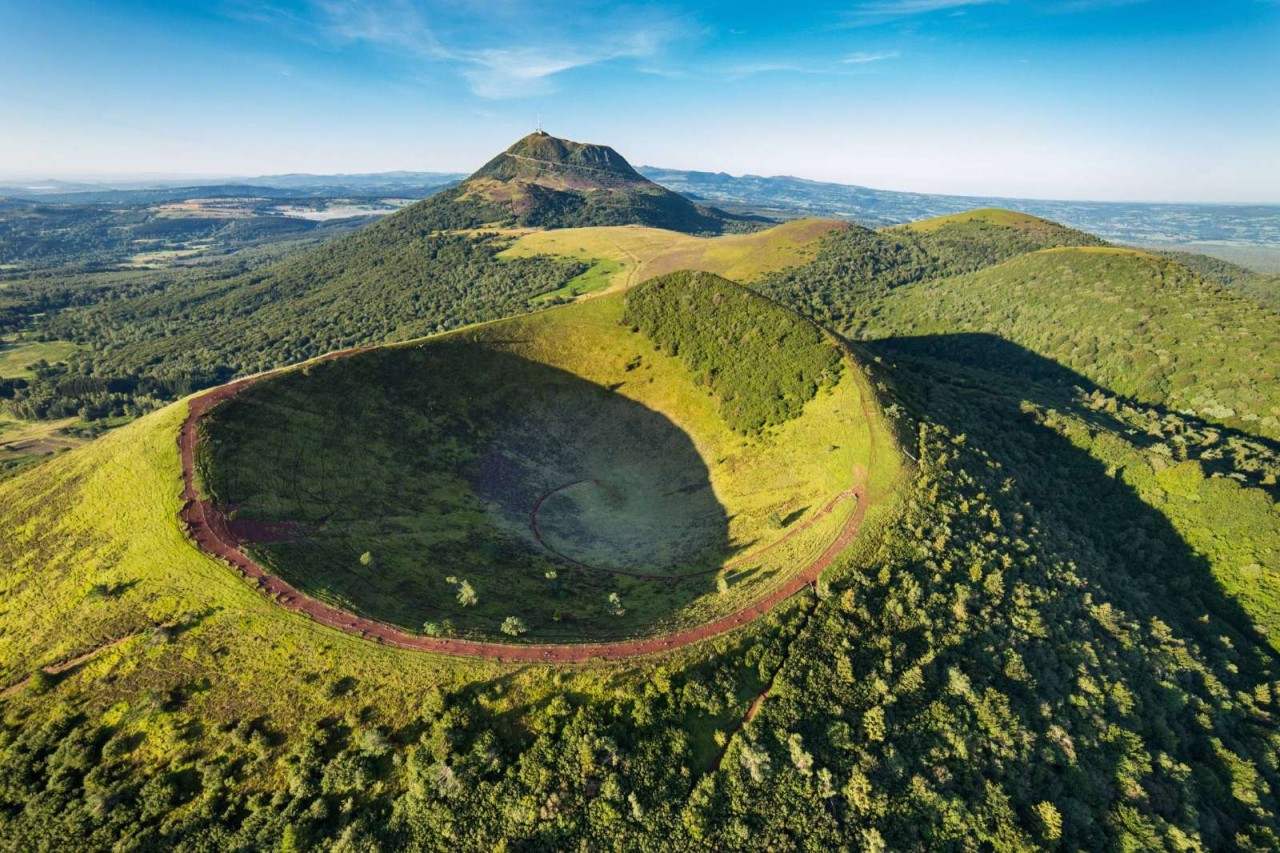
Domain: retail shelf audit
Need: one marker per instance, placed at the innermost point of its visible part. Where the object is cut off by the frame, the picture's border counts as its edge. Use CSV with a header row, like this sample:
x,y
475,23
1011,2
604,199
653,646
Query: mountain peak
x,y
543,181
550,161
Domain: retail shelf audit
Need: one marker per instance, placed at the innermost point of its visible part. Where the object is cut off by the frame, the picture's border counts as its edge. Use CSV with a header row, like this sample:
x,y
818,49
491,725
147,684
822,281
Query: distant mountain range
x,y
1244,233
380,185
1126,222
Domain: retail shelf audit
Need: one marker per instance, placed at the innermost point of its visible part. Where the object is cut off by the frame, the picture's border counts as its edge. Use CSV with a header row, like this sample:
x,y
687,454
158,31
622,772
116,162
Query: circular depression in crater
x,y
565,475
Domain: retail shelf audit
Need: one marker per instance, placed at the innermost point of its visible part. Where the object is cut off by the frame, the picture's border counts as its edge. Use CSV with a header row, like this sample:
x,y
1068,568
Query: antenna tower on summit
x,y
540,130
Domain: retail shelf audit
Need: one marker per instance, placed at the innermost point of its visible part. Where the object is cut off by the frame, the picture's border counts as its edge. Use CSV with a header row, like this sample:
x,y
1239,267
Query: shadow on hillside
x,y
975,384
1129,556
993,361
1127,553
465,460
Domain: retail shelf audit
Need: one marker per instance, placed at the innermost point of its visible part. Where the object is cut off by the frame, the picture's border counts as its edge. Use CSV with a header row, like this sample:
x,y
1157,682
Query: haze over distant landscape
x,y
1165,100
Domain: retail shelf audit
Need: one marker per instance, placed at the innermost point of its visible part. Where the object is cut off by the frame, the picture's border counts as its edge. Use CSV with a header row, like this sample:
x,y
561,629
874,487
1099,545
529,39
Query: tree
x,y
755,761
615,605
514,626
1050,820
467,594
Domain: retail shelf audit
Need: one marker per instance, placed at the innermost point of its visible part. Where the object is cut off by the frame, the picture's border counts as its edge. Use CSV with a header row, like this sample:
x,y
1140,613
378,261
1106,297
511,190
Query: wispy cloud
x,y
861,58
880,11
501,49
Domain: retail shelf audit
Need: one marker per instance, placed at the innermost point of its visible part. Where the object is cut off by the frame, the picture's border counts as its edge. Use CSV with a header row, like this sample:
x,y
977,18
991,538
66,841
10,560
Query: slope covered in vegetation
x,y
629,254
762,363
991,665
1144,327
856,266
1063,637
1264,287
545,182
570,476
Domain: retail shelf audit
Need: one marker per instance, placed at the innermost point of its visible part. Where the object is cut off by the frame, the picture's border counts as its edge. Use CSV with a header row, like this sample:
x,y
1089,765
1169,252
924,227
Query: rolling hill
x,y
1145,327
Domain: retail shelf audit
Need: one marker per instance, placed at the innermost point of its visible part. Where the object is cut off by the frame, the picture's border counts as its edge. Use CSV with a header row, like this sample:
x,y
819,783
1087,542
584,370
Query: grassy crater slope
x,y
407,471
139,673
1143,326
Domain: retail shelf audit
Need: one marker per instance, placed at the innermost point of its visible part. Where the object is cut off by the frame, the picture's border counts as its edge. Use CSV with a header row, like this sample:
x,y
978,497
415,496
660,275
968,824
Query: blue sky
x,y
1097,99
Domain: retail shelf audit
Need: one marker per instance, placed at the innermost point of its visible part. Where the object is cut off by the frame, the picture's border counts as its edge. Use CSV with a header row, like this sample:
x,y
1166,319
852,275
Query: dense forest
x,y
762,363
393,280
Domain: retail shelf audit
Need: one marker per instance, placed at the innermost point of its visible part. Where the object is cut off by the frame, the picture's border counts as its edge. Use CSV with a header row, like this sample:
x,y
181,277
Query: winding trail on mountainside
x,y
207,528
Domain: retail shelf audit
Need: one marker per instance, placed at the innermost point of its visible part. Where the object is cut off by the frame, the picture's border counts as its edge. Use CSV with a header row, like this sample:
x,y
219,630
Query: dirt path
x,y
208,530
63,666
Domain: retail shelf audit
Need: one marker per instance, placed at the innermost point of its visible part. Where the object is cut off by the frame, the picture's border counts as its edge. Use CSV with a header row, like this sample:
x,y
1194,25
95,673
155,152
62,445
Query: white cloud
x,y
501,49
879,11
863,57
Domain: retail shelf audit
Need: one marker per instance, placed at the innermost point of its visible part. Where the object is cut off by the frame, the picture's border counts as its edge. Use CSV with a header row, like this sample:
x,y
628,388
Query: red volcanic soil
x,y
211,533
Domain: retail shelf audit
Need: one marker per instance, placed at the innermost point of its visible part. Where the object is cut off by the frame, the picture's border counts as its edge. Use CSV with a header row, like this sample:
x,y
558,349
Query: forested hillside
x,y
857,266
762,362
393,280
1144,327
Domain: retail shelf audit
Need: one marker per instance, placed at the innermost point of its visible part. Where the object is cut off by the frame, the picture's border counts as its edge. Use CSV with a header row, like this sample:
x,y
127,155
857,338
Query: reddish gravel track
x,y
208,529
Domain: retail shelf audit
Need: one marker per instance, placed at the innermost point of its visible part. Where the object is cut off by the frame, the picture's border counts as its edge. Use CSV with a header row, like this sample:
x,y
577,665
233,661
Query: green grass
x,y
16,356
599,277
184,659
642,252
430,457
1140,325
987,215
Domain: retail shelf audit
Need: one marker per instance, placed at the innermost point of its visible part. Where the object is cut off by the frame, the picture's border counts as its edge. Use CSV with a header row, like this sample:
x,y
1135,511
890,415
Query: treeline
x,y
855,266
1145,327
762,361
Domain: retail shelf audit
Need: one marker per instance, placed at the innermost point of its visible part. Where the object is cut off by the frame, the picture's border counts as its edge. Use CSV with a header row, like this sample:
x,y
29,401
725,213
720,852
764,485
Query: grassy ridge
x,y
762,362
641,253
1142,326
854,267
